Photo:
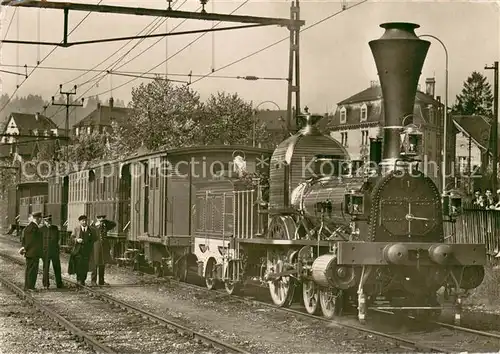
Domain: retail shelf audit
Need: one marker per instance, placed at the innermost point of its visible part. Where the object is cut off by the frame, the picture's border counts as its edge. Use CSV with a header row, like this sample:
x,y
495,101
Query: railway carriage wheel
x,y
281,289
210,275
232,287
181,269
158,269
331,302
310,294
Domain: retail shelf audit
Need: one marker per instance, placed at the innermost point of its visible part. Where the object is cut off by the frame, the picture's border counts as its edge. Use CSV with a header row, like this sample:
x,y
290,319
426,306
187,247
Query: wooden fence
x,y
476,226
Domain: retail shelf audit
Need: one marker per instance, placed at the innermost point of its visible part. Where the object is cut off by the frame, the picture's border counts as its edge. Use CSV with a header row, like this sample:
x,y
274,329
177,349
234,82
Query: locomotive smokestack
x,y
399,56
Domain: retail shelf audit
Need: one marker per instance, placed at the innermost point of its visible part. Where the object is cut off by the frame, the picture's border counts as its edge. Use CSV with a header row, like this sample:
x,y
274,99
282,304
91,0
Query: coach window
x,y
157,170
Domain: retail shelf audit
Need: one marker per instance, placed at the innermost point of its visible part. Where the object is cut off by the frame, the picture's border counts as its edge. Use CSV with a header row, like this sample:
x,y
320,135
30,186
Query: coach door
x,y
124,198
136,200
155,201
145,205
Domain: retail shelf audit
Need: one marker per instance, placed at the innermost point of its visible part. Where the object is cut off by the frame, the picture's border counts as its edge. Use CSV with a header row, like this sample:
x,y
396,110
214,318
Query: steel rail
x,y
408,343
412,343
86,337
194,335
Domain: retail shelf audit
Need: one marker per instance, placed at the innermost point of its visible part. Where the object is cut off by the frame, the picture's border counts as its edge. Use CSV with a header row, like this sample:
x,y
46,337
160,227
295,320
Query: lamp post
x,y
445,125
254,118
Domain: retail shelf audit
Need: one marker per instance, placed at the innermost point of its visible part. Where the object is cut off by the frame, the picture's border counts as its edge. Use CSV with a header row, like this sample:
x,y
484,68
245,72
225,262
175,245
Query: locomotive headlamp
x,y
452,203
411,141
354,203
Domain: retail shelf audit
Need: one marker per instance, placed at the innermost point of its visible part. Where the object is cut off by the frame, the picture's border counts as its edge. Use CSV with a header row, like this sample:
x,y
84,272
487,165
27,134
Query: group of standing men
x,y
91,250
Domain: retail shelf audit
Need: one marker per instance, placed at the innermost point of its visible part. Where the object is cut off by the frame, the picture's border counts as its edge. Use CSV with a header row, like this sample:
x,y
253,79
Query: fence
x,y
476,226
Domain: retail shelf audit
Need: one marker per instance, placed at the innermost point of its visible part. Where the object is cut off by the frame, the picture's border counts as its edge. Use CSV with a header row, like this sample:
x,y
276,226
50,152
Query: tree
x,y
162,116
228,120
118,145
86,148
476,97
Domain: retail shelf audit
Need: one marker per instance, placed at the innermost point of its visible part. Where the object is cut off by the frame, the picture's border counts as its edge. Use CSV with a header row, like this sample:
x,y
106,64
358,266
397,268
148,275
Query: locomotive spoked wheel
x,y
310,292
331,302
281,289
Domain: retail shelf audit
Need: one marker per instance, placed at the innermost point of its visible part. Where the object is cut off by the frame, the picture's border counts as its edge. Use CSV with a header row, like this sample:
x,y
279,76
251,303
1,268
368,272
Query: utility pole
x,y
494,137
294,68
67,104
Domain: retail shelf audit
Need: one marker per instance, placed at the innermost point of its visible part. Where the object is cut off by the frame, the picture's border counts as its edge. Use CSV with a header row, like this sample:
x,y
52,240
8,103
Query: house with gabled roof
x,y
361,116
23,133
472,142
101,119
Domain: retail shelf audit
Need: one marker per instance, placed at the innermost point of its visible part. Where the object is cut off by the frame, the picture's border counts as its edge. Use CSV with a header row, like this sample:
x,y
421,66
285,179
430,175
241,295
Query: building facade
x,y
361,117
23,134
101,119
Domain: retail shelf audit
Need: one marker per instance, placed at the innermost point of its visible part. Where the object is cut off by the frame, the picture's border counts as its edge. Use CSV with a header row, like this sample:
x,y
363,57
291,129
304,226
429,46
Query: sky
x,y
335,59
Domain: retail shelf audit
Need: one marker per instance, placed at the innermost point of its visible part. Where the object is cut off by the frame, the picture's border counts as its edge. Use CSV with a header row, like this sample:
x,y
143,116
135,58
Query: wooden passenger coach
x,y
32,198
78,196
57,204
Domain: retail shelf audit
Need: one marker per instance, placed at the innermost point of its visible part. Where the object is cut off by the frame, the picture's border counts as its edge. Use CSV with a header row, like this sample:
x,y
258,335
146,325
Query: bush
x,y
487,295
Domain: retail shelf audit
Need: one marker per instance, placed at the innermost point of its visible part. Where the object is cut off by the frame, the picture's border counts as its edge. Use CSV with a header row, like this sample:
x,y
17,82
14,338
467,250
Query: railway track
x,y
412,341
103,330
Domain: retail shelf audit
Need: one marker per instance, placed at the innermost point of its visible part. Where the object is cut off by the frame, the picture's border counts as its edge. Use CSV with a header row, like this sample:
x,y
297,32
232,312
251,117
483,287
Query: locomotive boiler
x,y
371,236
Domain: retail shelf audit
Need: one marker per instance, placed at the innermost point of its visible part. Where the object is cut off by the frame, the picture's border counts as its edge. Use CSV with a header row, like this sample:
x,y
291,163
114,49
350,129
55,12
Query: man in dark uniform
x,y
32,242
83,239
101,252
51,251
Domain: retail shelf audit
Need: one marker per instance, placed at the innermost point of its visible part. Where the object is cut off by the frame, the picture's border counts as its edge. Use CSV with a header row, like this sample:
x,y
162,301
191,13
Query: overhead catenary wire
x,y
176,53
41,61
246,56
279,41
132,72
102,72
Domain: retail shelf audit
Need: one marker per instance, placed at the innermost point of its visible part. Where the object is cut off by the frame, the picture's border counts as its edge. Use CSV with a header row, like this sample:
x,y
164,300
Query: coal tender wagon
x,y
181,206
350,238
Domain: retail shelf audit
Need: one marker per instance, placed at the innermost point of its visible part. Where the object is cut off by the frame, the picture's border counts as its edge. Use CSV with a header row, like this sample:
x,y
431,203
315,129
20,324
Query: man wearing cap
x,y
51,251
83,239
32,242
101,252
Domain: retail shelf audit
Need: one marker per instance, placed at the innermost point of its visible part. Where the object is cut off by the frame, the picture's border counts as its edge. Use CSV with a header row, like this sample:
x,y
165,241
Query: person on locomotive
x,y
51,252
83,238
101,250
32,249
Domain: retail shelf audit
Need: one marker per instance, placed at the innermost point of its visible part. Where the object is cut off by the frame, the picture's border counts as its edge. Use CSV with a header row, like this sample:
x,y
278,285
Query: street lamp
x,y
254,118
445,127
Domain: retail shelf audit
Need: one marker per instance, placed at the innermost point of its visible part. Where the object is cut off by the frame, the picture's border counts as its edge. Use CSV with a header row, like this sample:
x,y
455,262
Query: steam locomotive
x,y
348,235
365,237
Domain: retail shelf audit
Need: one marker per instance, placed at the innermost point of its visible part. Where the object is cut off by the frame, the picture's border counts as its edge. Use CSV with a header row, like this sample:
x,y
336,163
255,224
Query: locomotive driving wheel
x,y
310,292
331,302
281,289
